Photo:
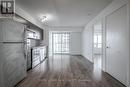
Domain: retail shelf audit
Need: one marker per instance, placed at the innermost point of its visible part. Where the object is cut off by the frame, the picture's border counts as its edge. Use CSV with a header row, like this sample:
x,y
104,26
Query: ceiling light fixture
x,y
43,18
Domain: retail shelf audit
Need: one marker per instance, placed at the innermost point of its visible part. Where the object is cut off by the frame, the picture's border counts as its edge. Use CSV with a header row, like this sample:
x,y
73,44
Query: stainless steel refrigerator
x,y
12,53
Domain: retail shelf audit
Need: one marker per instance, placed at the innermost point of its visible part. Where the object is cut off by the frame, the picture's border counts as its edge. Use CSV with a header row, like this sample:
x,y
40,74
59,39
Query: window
x,y
97,40
61,42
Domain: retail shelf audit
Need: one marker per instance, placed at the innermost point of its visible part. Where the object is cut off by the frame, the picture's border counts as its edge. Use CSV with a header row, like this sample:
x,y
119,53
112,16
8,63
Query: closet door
x,y
117,44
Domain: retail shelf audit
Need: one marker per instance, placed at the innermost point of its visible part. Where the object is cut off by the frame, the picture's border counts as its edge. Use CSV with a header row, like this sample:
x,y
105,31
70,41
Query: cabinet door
x,y
12,31
14,64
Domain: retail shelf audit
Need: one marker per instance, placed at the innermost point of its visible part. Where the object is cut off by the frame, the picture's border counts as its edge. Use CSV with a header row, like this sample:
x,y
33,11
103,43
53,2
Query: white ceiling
x,y
64,12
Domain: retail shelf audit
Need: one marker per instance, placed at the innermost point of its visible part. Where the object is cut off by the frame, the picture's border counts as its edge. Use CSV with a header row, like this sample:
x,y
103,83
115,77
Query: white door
x,y
117,44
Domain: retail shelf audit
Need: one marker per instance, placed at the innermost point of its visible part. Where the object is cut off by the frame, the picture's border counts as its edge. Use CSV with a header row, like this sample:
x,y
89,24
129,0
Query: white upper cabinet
x,y
33,34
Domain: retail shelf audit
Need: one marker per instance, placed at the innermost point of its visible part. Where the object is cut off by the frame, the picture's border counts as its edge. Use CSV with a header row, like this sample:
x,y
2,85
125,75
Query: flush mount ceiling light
x,y
46,17
43,18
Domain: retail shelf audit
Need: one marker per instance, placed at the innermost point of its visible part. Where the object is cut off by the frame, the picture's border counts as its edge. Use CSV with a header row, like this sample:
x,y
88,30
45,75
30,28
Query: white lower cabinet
x,y
38,55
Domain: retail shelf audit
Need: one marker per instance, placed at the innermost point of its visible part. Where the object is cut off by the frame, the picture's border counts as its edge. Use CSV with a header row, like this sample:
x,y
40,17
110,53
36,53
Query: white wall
x,y
75,43
87,43
1,58
75,38
46,37
69,28
87,33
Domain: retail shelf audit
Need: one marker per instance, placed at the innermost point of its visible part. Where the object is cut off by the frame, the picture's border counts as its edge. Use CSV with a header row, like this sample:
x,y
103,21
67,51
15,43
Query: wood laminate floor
x,y
68,71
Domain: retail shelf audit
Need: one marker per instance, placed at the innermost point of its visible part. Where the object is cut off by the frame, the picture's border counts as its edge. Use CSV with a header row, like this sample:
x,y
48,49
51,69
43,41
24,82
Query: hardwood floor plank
x,y
68,71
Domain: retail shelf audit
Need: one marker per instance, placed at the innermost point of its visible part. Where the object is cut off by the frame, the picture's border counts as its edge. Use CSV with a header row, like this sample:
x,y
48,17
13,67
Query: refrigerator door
x,y
1,66
1,32
14,64
1,58
12,31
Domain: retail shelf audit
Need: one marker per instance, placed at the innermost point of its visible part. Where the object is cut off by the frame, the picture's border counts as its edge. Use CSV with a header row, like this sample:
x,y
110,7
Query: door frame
x,y
101,21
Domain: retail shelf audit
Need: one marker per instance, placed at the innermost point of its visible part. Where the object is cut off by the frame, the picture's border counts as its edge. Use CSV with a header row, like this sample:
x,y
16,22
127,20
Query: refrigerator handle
x,y
24,50
24,43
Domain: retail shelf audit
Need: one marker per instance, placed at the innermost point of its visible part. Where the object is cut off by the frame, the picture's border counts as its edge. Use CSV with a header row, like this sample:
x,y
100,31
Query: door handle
x,y
108,47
